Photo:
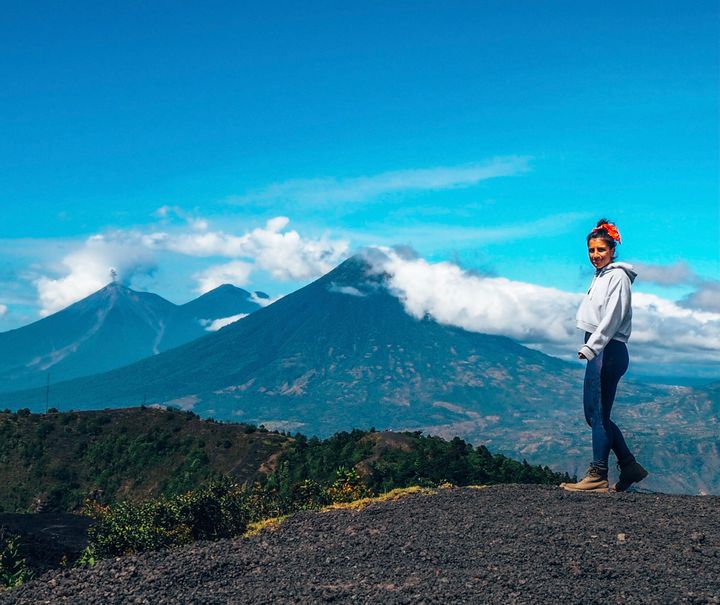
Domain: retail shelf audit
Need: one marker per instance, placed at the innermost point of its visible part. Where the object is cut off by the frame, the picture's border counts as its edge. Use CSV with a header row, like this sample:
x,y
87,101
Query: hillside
x,y
499,545
54,460
109,329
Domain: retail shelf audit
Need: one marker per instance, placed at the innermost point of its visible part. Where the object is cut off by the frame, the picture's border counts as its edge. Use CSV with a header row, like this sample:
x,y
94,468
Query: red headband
x,y
611,231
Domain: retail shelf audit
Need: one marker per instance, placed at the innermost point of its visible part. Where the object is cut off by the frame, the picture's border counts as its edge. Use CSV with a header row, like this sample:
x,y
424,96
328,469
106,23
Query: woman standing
x,y
605,315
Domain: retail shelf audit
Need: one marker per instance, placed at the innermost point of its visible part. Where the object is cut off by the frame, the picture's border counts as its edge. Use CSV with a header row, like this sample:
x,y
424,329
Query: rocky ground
x,y
503,544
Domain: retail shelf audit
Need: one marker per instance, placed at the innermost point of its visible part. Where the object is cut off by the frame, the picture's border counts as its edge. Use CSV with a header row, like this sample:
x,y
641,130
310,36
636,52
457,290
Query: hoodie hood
x,y
627,267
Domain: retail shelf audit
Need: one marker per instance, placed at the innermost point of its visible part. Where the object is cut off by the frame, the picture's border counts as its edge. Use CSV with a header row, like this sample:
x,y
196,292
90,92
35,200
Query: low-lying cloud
x,y
235,272
285,254
213,325
542,317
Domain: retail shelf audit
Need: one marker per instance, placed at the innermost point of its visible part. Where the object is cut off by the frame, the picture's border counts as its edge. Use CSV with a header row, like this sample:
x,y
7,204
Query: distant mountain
x,y
224,301
343,353
109,329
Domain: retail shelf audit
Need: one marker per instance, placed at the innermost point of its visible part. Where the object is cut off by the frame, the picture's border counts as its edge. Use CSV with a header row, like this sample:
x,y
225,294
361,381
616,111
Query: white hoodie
x,y
606,310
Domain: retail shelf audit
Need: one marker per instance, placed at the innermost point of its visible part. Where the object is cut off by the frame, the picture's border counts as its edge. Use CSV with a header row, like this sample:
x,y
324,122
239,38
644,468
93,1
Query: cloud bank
x,y
664,331
544,318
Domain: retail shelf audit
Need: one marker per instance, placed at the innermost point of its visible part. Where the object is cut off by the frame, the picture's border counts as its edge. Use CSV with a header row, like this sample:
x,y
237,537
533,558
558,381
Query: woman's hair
x,y
602,232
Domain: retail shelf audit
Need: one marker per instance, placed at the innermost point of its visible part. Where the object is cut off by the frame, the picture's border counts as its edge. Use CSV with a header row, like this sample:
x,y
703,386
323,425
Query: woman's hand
x,y
581,356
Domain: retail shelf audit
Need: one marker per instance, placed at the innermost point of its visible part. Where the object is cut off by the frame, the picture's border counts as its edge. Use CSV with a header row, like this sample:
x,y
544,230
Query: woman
x,y
605,315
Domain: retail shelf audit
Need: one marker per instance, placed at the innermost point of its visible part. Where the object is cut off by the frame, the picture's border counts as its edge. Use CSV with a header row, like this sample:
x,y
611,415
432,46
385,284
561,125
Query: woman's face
x,y
599,252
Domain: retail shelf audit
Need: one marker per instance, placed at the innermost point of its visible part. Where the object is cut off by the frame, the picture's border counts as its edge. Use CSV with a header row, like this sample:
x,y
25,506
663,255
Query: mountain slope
x,y
108,329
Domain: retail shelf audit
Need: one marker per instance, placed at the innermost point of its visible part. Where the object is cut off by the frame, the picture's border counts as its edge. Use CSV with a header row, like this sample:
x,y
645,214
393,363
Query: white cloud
x,y
492,305
284,254
349,290
216,324
235,272
365,188
89,269
544,318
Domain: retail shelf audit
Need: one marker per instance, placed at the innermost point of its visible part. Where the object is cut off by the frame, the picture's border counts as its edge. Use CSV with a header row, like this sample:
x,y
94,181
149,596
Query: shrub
x,y
310,494
348,486
14,570
218,510
264,502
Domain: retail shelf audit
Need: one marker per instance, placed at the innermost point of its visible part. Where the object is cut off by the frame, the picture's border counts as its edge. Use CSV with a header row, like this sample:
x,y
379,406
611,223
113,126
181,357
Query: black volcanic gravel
x,y
505,544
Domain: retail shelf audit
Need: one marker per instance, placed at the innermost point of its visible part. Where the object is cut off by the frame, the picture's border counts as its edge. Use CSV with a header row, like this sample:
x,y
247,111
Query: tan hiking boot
x,y
594,481
631,471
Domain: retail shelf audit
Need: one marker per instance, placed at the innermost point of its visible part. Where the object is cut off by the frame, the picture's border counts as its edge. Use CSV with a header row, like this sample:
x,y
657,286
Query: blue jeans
x,y
602,375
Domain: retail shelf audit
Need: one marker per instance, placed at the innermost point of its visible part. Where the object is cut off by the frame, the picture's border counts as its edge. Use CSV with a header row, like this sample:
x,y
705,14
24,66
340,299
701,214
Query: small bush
x,y
348,486
14,570
310,494
218,510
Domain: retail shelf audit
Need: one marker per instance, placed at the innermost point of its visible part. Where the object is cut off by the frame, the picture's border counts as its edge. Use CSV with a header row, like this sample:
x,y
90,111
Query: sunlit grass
x,y
356,505
265,525
392,495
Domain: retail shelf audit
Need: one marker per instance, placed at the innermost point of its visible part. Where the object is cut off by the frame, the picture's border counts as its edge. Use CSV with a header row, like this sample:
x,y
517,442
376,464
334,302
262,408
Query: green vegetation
x,y
14,570
53,461
153,478
221,509
390,460
212,512
310,474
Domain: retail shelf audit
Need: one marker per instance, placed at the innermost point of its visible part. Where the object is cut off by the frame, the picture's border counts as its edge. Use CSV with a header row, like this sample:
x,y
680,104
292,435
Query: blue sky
x,y
491,134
